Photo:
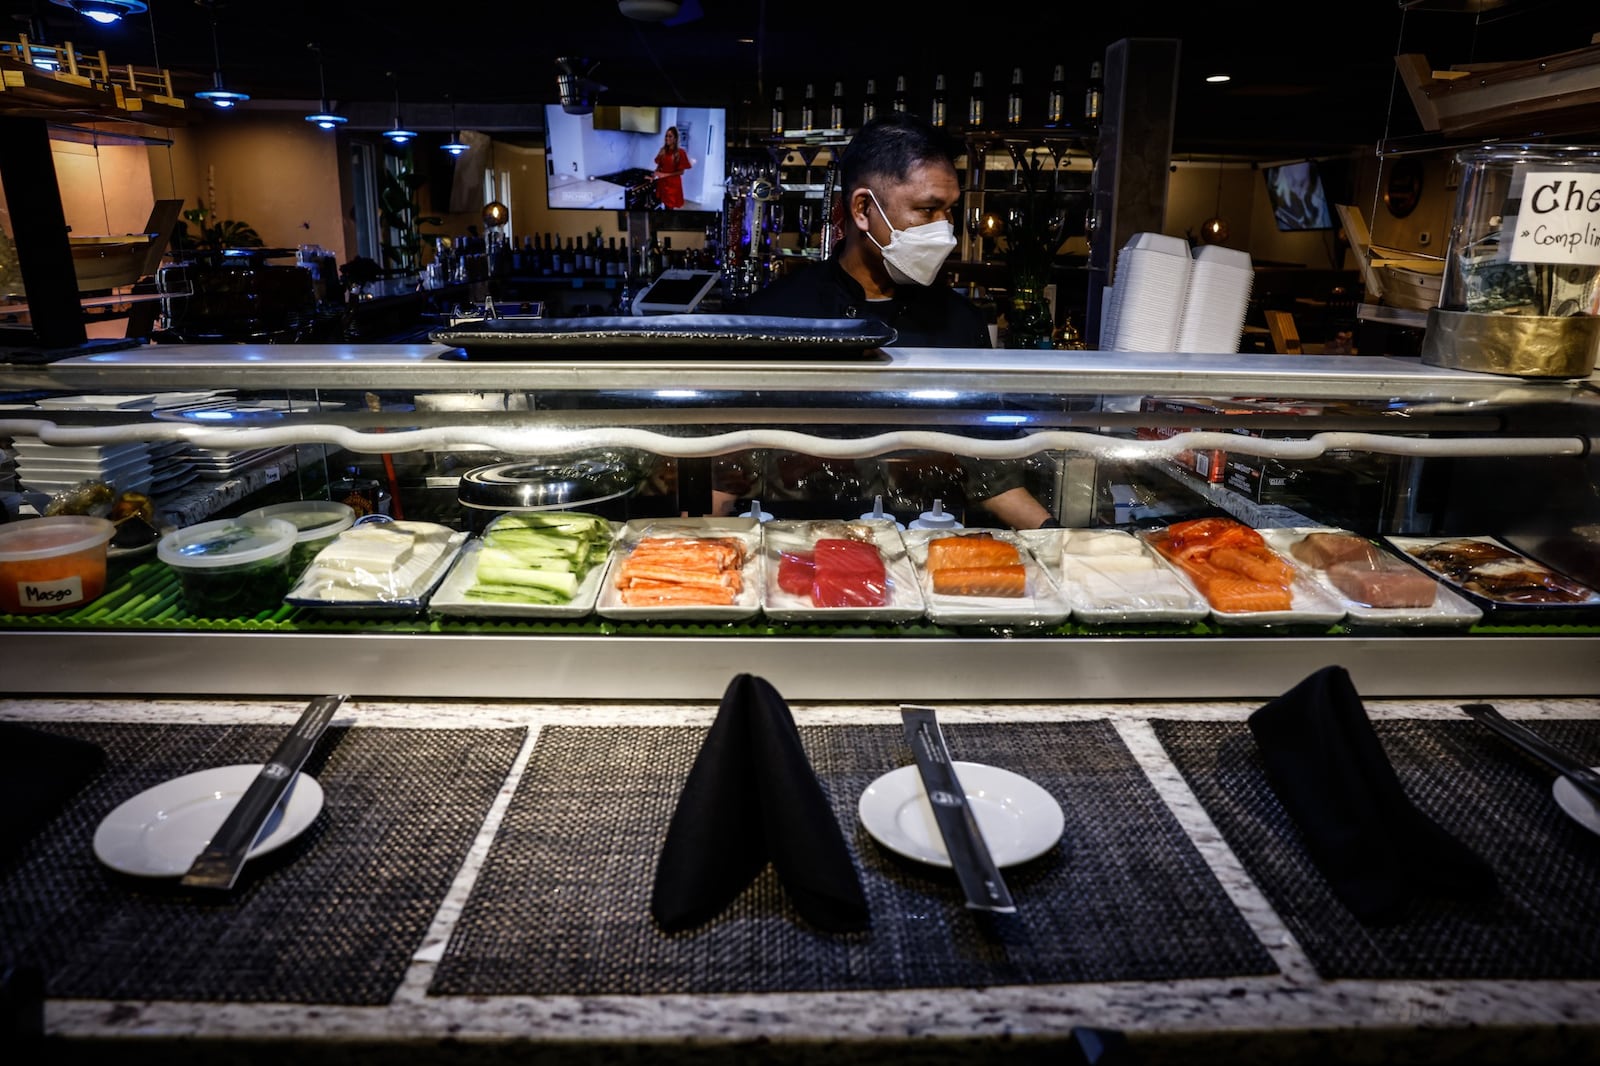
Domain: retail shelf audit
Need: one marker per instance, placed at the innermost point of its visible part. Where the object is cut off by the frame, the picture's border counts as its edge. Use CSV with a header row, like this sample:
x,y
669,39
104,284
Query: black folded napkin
x,y
39,772
1378,851
753,798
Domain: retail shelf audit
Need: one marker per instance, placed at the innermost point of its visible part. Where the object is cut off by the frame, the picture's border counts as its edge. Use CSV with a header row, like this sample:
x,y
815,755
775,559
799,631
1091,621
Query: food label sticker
x,y
271,474
50,593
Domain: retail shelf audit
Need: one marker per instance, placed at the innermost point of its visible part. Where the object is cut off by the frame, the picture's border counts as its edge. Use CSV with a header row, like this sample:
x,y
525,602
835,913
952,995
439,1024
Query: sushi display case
x,y
1391,452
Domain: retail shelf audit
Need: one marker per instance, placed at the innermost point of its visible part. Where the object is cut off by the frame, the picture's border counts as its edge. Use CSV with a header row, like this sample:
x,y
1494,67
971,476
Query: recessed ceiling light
x,y
1216,79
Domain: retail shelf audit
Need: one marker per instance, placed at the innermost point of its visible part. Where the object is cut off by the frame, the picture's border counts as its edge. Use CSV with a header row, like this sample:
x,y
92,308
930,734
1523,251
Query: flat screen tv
x,y
1299,197
602,161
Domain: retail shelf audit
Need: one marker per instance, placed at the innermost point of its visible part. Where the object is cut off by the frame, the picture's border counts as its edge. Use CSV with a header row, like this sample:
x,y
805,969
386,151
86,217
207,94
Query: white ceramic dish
x,y
405,589
905,592
1579,808
1042,604
452,599
1309,604
1175,602
608,601
159,832
1447,609
1018,818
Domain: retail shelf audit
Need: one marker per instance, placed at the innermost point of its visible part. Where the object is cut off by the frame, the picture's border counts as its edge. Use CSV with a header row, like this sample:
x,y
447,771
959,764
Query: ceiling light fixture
x,y
399,134
649,10
454,145
217,95
105,12
326,118
1214,230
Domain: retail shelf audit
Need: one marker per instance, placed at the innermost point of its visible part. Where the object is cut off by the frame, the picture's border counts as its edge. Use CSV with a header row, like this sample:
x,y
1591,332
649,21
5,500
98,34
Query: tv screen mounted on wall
x,y
1299,197
602,161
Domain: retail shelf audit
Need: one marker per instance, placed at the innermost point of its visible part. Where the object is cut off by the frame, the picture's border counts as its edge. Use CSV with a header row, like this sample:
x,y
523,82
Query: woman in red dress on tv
x,y
671,162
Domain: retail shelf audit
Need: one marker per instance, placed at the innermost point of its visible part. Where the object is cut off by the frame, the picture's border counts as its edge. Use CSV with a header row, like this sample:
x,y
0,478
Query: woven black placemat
x,y
333,917
562,905
1496,801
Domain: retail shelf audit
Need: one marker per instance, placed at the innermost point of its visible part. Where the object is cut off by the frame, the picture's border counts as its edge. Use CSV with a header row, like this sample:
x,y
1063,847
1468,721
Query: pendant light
x,y
454,145
399,134
218,95
105,12
326,118
1214,230
495,213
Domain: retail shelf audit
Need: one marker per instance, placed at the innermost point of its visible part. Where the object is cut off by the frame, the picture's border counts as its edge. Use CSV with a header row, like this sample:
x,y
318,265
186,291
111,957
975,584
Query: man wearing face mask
x,y
901,195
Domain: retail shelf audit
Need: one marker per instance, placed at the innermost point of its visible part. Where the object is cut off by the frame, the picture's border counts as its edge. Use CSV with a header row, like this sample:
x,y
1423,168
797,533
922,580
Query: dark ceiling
x,y
1312,80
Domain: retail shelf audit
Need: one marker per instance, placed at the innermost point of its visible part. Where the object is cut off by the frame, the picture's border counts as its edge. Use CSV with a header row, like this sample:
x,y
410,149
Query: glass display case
x,y
1402,454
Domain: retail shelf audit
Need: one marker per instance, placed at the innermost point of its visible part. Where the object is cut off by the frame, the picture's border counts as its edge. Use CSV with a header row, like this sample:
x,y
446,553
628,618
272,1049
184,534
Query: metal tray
x,y
659,336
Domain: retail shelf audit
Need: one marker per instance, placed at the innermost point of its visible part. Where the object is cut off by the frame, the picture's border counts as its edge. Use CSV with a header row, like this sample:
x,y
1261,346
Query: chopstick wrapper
x,y
752,798
39,773
1377,850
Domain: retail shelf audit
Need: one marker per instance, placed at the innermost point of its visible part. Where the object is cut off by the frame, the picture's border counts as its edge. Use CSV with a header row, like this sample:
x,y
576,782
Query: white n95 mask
x,y
913,256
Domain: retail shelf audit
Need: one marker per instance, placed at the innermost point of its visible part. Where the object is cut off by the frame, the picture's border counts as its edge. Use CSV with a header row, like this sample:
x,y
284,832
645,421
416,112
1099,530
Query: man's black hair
x,y
889,146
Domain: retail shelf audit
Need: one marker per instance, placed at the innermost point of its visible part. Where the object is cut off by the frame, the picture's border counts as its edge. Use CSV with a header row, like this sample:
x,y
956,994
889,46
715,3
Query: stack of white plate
x,y
1218,297
172,467
48,468
221,465
1151,281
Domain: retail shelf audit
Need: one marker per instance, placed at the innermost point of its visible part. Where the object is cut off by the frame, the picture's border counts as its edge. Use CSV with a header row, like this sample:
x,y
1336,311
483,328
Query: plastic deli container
x,y
233,567
53,563
318,522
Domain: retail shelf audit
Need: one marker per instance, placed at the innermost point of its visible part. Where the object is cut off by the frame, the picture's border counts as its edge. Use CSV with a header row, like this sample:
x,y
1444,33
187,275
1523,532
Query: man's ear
x,y
860,205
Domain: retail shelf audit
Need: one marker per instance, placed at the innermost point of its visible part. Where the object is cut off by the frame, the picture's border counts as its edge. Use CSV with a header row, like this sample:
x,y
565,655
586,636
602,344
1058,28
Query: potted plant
x,y
403,219
210,238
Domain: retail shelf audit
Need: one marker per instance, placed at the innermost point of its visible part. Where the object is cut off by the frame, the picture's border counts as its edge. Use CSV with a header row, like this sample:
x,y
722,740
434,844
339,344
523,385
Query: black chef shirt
x,y
922,316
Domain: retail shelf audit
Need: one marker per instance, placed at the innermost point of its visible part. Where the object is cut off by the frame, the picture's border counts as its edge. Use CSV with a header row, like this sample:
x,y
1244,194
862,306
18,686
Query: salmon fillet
x,y
971,551
1260,566
1009,580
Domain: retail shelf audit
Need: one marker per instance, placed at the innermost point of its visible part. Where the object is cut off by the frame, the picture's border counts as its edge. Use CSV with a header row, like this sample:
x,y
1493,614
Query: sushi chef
x,y
901,196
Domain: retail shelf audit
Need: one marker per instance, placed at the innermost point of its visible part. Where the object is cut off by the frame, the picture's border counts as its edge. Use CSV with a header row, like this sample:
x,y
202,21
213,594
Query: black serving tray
x,y
665,336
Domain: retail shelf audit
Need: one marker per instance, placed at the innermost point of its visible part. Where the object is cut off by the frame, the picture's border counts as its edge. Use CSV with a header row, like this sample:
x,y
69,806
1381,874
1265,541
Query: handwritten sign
x,y
1559,218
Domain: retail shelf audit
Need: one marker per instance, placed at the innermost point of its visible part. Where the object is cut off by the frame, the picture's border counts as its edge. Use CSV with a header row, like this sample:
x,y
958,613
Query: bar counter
x,y
1234,1017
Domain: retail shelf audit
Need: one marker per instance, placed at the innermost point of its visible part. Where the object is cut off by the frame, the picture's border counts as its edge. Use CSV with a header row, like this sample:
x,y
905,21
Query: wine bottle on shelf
x,y
553,244
1055,103
778,119
869,103
936,108
808,109
899,103
569,257
613,264
836,107
975,102
1014,99
1093,97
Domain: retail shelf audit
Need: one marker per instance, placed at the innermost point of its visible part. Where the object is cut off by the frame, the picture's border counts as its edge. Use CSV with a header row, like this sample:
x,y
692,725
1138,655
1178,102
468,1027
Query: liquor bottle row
x,y
591,257
1021,108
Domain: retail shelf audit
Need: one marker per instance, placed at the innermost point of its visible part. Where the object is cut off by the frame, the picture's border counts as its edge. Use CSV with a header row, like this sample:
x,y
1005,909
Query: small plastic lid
x,y
227,542
41,538
938,518
756,512
878,512
315,519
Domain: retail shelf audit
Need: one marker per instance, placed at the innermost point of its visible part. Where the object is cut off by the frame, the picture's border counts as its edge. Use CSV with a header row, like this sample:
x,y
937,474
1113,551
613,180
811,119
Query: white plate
x,y
1579,808
1448,608
1050,547
1041,605
452,598
608,602
905,592
1309,602
1019,820
159,832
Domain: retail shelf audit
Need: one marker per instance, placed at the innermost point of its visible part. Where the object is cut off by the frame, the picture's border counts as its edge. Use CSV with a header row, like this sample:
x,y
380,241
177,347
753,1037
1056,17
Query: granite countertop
x,y
1295,1011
